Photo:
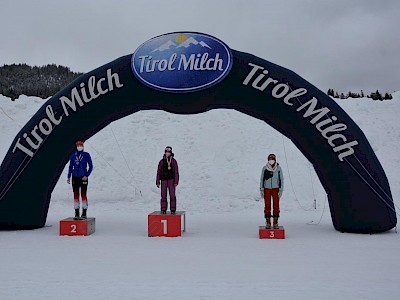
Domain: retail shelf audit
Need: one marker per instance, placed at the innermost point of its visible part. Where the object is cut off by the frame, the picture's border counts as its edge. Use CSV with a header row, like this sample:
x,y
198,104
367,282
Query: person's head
x,y
168,151
79,145
272,159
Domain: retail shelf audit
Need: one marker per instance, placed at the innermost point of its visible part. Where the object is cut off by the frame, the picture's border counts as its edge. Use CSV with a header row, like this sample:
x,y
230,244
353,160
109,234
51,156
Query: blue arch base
x,y
358,191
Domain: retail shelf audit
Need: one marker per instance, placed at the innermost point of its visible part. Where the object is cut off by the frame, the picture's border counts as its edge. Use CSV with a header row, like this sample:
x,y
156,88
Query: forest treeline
x,y
374,95
43,82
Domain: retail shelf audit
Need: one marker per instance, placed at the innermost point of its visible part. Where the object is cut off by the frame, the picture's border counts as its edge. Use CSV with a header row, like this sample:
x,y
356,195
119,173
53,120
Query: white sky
x,y
339,44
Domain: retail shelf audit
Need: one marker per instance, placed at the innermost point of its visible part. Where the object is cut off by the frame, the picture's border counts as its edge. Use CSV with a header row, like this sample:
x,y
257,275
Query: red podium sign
x,y
73,227
166,225
271,233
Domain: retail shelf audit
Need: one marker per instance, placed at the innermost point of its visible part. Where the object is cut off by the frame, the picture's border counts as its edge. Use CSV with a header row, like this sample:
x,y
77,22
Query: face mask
x,y
79,148
271,162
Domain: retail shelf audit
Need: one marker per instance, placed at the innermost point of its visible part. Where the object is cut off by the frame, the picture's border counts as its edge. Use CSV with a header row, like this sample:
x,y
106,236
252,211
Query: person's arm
x,y
262,179
281,181
176,171
71,167
90,163
262,184
158,173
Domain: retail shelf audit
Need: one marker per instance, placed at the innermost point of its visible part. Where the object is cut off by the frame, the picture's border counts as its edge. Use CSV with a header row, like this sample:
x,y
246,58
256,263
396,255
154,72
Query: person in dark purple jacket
x,y
168,174
80,167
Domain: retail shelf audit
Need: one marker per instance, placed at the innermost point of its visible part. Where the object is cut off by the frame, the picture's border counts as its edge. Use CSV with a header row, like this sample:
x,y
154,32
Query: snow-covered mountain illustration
x,y
192,41
165,46
186,44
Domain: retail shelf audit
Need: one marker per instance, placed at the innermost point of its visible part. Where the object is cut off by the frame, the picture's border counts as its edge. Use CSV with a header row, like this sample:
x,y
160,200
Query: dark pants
x,y
268,193
79,185
168,184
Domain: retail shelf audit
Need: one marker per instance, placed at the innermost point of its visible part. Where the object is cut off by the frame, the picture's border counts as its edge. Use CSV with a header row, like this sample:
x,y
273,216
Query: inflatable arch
x,y
189,73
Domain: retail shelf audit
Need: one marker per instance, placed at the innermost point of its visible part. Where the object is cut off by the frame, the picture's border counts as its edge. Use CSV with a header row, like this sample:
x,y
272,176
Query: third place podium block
x,y
72,227
166,225
271,233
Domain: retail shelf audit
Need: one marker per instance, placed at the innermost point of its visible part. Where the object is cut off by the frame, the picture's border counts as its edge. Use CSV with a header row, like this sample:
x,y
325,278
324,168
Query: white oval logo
x,y
182,62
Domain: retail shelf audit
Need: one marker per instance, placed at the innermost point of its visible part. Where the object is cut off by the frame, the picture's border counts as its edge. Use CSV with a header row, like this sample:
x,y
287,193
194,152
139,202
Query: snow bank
x,y
220,154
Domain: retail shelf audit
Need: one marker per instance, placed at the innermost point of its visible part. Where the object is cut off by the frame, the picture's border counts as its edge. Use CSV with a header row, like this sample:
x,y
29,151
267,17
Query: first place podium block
x,y
73,227
166,225
271,233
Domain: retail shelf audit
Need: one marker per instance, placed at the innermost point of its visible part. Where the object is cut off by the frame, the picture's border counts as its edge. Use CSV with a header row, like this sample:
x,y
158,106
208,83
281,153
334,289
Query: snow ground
x,y
220,154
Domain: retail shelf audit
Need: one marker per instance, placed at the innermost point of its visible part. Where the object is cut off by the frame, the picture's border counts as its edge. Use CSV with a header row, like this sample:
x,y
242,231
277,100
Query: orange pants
x,y
268,193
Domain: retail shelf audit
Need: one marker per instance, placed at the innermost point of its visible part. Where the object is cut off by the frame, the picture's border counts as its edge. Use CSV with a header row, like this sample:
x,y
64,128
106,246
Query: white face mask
x,y
79,148
271,161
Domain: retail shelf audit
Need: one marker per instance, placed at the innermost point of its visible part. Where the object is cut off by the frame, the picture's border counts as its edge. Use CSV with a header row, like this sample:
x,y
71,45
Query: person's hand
x,y
84,178
175,184
262,193
68,181
158,185
280,193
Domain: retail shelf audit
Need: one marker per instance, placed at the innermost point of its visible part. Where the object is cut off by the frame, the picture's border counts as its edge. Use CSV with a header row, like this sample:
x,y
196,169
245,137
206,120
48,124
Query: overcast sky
x,y
340,44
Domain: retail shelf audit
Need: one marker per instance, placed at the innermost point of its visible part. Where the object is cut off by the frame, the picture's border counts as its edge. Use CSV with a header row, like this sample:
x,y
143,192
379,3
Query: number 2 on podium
x,y
164,226
73,228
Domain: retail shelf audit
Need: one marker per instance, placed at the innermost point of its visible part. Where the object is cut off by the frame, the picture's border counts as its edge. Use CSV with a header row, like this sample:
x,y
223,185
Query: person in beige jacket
x,y
271,186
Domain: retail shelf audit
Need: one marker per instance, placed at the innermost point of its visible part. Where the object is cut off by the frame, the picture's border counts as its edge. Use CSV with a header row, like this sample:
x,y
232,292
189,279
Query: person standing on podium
x,y
80,167
271,186
168,175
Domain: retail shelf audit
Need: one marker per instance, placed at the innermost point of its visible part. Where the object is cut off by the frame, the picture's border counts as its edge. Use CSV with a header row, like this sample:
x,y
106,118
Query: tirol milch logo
x,y
182,62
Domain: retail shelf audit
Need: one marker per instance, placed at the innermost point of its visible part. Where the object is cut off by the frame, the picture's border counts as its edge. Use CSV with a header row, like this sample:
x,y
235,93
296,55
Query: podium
x,y
72,227
166,225
271,233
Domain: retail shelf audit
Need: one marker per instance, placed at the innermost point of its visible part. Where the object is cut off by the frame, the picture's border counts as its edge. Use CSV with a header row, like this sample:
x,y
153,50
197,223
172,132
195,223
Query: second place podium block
x,y
166,225
73,227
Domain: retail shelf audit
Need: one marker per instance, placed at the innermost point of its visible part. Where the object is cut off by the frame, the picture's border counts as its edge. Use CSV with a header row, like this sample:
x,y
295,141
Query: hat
x,y
271,156
169,148
79,143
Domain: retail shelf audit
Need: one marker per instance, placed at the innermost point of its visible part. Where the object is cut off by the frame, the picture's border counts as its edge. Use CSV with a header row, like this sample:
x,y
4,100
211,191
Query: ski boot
x,y
163,212
276,225
172,212
77,214
268,223
83,216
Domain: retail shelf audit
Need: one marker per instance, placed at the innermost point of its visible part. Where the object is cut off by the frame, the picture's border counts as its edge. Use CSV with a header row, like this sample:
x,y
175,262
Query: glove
x,y
280,193
262,193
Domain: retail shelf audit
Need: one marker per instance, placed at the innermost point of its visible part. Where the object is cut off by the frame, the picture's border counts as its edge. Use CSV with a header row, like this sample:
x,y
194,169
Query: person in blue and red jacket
x,y
80,167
